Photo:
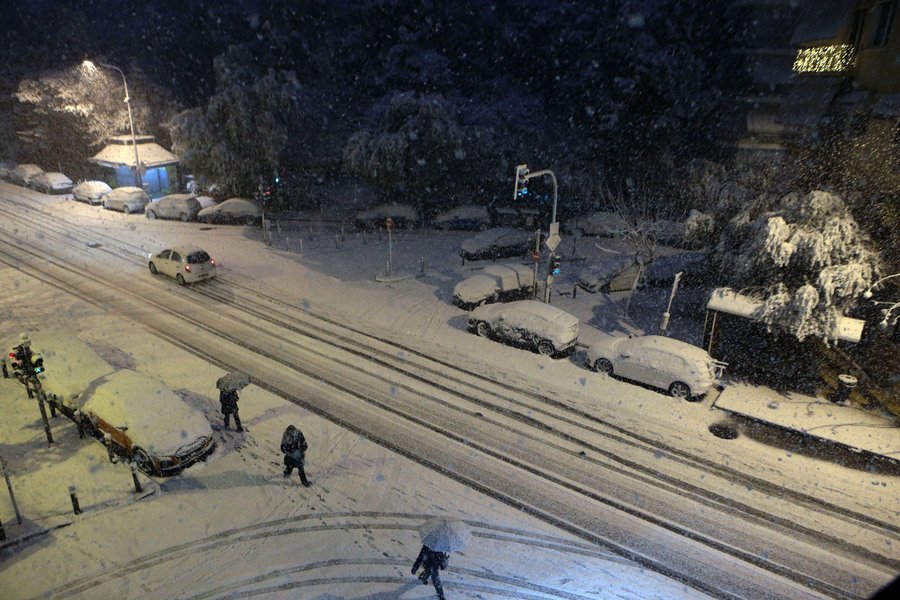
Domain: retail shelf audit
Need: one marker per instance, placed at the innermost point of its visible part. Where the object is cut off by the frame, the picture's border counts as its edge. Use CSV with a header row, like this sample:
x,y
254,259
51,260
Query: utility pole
x,y
521,189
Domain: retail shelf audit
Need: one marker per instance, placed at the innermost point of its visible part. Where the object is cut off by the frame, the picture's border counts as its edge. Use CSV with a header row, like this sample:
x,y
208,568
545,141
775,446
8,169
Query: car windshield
x,y
198,257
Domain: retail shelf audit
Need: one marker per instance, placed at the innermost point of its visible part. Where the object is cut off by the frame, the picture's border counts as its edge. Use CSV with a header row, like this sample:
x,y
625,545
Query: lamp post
x,y
90,66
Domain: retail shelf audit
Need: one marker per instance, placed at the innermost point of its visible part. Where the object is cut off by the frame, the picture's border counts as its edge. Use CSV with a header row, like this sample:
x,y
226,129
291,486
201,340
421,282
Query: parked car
x,y
233,210
127,199
403,216
22,174
541,327
468,216
206,201
614,273
500,242
685,371
6,169
606,224
496,283
91,192
515,216
184,264
174,206
147,422
51,183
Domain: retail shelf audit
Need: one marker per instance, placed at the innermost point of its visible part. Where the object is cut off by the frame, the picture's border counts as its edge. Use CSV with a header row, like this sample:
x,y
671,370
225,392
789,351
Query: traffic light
x,y
37,363
554,266
521,188
18,370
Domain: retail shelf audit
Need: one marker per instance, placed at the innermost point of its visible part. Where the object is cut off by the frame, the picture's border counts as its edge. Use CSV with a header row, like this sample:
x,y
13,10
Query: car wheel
x,y
184,217
601,365
153,269
151,214
680,390
483,329
250,220
180,279
140,456
545,348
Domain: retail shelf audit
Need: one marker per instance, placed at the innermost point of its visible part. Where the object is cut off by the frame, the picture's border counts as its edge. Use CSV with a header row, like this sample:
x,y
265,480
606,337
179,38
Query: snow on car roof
x,y
467,211
511,275
542,310
70,364
475,288
89,187
489,236
157,419
671,345
607,265
55,177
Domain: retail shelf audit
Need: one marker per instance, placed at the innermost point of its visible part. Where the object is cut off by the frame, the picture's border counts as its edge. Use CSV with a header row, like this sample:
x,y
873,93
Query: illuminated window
x,y
884,21
825,59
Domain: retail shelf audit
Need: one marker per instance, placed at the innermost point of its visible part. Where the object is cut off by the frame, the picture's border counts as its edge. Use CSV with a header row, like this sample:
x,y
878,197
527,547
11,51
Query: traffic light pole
x,y
522,177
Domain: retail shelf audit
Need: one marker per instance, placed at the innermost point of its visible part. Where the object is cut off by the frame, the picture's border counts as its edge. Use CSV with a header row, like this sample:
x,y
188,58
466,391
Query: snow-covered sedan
x,y
147,422
614,273
496,283
499,242
598,223
91,192
528,323
184,264
51,183
22,174
403,216
6,169
468,216
685,371
128,199
233,210
174,206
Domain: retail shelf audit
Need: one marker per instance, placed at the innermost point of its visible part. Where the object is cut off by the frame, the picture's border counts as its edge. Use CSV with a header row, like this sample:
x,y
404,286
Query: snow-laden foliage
x,y
67,115
698,229
808,259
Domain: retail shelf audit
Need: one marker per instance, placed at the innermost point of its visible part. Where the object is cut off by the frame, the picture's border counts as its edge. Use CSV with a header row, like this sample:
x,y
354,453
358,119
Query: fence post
x,y
73,496
134,477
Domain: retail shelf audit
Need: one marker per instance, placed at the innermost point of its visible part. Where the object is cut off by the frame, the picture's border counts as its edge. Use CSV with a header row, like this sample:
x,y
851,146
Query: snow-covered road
x,y
707,526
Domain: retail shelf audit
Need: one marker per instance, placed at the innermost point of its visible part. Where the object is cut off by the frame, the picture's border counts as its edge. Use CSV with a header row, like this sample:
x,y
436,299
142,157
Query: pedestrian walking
x,y
431,561
229,399
293,444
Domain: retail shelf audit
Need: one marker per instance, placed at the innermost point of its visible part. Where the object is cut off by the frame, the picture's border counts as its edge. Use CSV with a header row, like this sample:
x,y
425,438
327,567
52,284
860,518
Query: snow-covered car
x,y
184,264
469,216
51,183
127,199
147,422
6,169
403,216
233,210
685,371
499,242
91,192
496,283
694,268
614,273
22,174
174,206
529,323
607,224
515,216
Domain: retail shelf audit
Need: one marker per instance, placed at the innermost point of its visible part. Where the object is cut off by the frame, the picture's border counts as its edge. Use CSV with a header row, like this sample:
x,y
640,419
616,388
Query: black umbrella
x,y
235,380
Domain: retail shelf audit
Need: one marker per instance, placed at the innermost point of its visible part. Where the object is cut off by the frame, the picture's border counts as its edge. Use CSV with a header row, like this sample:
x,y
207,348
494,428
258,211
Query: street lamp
x,y
90,66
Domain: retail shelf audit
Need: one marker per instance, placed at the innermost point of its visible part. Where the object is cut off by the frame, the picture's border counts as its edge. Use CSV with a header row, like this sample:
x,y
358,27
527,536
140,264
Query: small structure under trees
x,y
157,165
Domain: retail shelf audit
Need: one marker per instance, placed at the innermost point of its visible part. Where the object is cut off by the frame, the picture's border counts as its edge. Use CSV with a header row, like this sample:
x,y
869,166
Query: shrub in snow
x,y
808,260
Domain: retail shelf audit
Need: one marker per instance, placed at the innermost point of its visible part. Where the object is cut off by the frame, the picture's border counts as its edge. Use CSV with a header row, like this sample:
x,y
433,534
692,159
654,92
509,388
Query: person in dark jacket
x,y
431,561
293,444
229,399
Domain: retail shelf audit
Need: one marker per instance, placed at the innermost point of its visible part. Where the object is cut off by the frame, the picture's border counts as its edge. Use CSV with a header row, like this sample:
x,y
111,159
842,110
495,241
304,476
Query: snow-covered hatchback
x,y
147,422
541,327
685,371
184,264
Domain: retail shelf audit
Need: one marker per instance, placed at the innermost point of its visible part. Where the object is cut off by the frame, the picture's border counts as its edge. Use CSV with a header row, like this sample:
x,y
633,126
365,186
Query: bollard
x,y
79,423
301,244
73,496
2,531
574,291
422,265
107,439
846,384
134,477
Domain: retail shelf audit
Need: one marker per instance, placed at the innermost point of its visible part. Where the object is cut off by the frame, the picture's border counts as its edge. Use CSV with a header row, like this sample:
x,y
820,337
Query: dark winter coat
x,y
229,400
431,560
293,444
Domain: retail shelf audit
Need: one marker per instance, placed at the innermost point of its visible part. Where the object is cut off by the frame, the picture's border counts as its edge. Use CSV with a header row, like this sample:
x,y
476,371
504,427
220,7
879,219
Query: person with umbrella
x,y
228,397
440,536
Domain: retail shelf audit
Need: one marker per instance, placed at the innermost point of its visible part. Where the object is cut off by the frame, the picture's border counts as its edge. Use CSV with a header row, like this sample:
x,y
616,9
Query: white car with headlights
x,y
685,371
184,264
528,323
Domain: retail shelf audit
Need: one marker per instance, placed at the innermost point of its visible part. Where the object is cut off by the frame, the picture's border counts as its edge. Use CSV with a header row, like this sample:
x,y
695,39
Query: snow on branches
x,y
809,259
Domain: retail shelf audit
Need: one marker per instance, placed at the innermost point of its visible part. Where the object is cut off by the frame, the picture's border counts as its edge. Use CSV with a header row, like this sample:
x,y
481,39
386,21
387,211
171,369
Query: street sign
x,y
553,241
554,229
389,223
536,256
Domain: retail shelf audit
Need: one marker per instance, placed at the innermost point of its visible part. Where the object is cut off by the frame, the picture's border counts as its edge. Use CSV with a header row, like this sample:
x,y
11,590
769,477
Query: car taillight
x,y
212,261
187,268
